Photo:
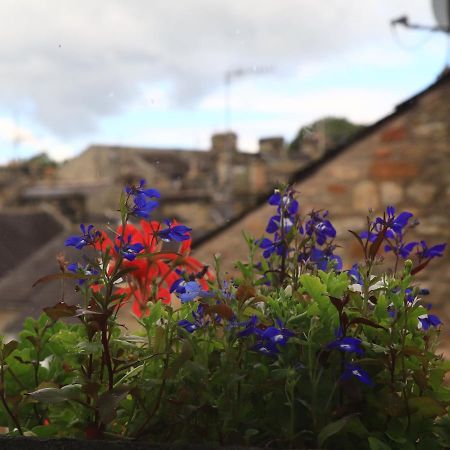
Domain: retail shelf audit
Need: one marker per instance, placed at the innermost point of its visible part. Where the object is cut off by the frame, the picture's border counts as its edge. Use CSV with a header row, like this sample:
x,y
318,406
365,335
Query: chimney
x,y
272,147
221,142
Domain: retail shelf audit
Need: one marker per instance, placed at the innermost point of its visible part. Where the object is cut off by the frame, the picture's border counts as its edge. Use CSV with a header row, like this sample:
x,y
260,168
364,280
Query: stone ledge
x,y
28,443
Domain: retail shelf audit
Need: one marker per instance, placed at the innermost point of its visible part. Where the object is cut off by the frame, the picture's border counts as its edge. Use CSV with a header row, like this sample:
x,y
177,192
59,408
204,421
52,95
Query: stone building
x,y
401,160
200,188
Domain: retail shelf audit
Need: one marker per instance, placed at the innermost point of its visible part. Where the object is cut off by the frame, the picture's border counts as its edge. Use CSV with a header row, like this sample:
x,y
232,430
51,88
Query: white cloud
x,y
77,62
26,142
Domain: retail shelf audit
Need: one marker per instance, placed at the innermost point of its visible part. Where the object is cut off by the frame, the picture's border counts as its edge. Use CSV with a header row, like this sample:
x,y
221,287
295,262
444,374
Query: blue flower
x,y
142,205
428,320
401,249
270,247
355,275
89,237
285,202
139,191
128,250
86,271
266,348
275,224
347,344
432,252
322,258
174,233
269,339
355,371
275,335
320,227
396,223
394,226
199,320
187,291
250,327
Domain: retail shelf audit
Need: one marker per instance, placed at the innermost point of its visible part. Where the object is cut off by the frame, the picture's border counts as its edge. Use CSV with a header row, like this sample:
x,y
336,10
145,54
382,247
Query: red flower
x,y
153,273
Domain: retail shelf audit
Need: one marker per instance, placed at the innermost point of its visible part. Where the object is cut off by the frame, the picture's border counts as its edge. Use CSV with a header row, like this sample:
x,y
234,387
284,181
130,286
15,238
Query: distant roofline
x,y
330,153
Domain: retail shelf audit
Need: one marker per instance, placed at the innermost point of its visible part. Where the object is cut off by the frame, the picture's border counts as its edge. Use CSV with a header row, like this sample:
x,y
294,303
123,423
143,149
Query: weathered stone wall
x,y
404,162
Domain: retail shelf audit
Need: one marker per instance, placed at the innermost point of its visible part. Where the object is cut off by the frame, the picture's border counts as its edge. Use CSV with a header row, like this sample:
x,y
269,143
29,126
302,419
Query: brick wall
x,y
404,162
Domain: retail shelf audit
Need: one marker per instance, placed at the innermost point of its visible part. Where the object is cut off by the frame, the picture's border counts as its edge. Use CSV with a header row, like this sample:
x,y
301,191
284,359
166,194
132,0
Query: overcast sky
x,y
151,72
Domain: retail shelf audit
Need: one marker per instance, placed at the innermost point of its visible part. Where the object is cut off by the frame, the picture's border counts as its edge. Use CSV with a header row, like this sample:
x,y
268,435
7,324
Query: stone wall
x,y
404,161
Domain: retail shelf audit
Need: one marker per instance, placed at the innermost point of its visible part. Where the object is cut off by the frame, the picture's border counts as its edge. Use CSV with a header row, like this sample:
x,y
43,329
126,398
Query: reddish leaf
x,y
420,267
61,309
376,244
221,309
337,303
366,322
245,292
57,276
356,235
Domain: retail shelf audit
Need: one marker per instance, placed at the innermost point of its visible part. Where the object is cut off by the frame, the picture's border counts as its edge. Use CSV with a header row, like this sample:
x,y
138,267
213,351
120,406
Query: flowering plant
x,y
293,352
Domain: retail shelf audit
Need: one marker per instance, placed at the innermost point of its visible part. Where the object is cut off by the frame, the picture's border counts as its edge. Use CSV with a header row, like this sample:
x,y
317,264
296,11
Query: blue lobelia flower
x,y
128,250
277,335
320,227
270,247
431,252
266,348
250,327
393,224
142,205
285,201
269,339
199,320
89,237
346,344
428,320
86,271
174,233
275,222
355,371
355,275
396,223
139,191
322,258
187,291
401,249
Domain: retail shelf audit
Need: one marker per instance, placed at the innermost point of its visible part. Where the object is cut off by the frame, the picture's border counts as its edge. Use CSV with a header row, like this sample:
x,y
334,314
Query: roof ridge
x,y
330,153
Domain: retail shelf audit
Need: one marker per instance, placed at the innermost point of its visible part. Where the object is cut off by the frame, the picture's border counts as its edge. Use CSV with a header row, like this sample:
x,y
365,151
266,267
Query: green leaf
x,y
332,429
376,444
46,430
87,347
185,355
336,284
426,407
109,401
313,286
9,348
55,395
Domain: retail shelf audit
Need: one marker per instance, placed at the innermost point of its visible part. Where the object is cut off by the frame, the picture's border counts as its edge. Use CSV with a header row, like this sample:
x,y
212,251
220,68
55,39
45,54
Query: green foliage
x,y
265,364
336,131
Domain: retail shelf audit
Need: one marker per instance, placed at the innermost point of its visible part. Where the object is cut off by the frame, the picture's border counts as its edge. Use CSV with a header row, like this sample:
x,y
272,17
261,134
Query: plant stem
x,y
107,356
5,403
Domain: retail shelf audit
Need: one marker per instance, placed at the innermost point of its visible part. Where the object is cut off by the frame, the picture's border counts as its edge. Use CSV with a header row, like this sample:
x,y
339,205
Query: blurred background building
x,y
173,97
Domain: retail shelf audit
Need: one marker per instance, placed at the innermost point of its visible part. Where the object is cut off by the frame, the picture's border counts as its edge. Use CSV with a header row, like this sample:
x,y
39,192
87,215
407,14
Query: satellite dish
x,y
441,9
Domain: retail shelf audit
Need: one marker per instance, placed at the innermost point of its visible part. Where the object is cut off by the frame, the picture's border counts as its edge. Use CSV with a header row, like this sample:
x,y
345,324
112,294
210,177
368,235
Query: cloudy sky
x,y
152,72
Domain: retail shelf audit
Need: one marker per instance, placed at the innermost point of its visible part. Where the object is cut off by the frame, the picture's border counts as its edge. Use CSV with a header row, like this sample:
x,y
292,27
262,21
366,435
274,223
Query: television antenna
x,y
229,77
441,11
